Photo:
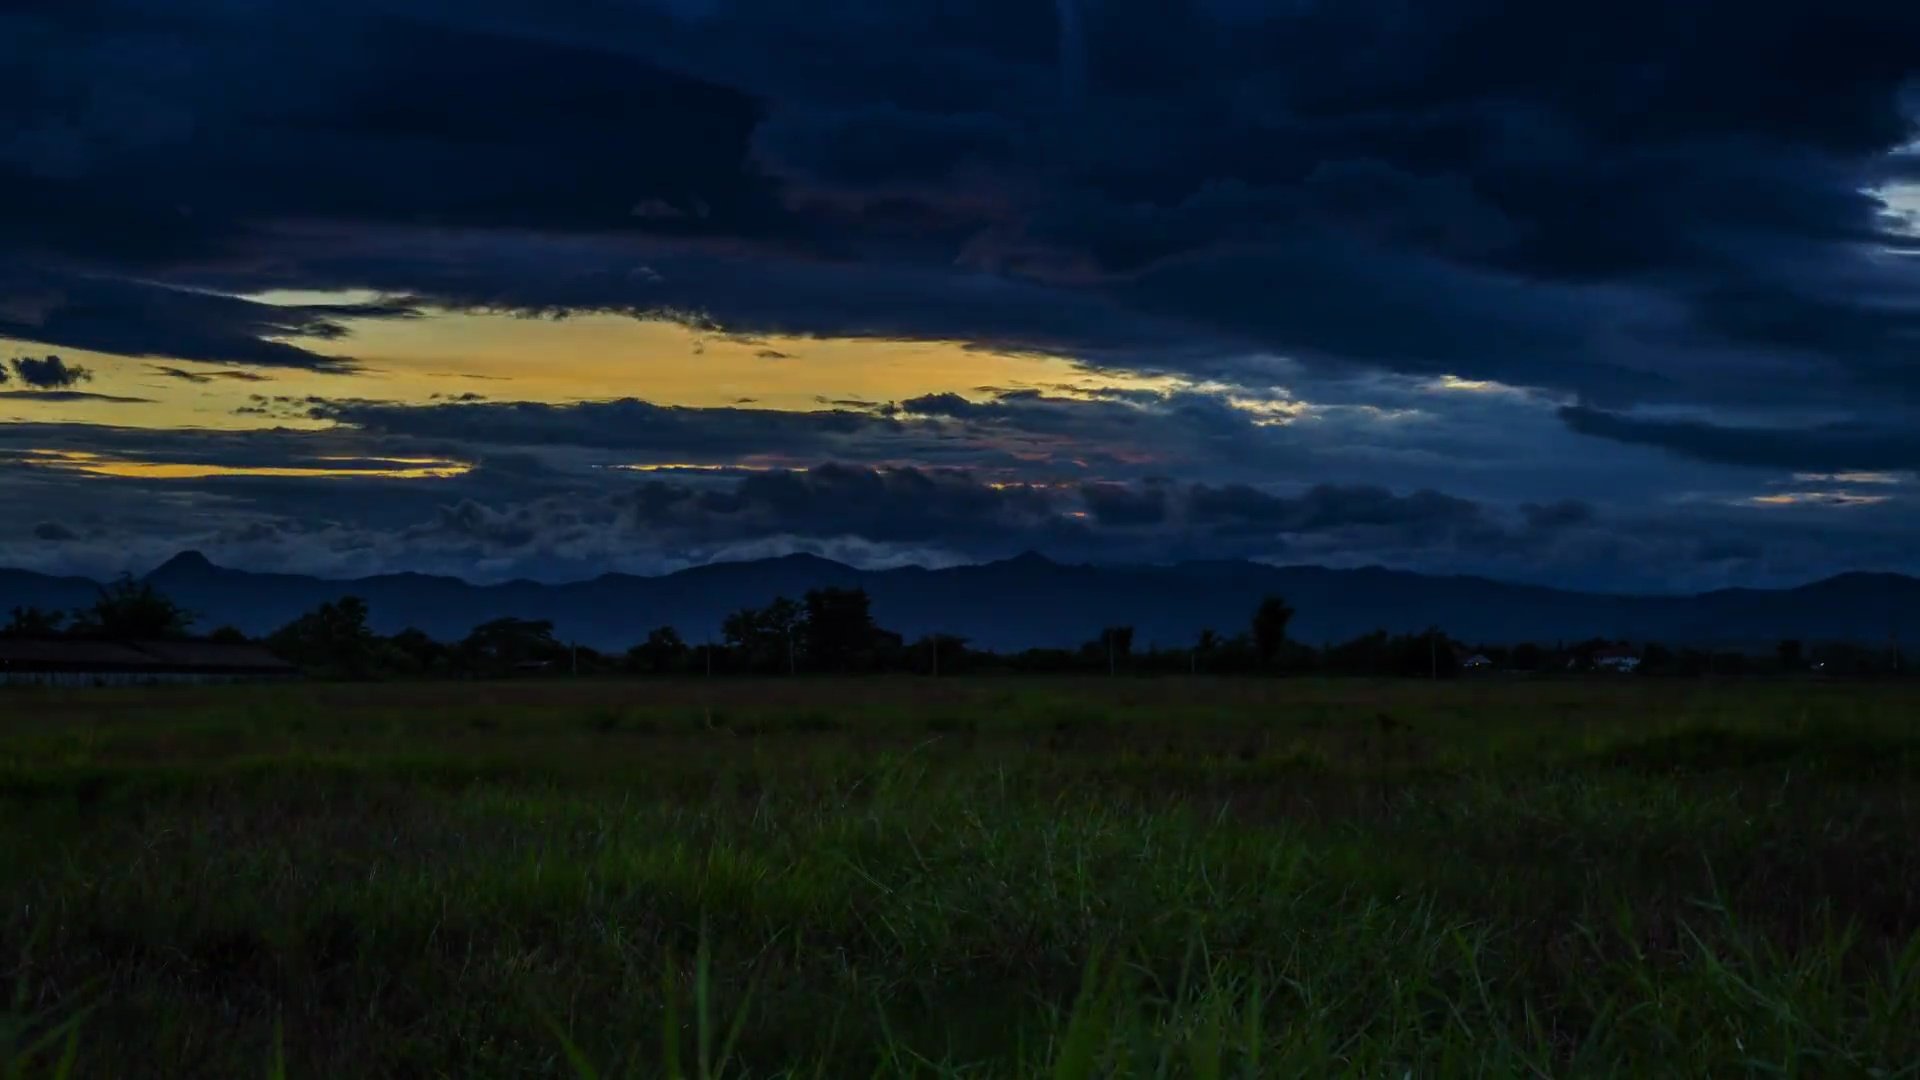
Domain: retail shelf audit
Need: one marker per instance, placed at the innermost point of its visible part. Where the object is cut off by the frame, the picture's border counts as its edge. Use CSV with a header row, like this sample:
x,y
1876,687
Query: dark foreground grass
x,y
907,878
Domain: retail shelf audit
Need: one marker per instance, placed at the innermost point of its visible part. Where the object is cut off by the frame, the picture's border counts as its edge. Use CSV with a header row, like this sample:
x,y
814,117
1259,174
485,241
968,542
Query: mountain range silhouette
x,y
1031,600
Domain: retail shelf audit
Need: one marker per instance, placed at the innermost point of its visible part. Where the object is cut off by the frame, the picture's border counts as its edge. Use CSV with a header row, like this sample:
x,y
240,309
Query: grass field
x,y
908,877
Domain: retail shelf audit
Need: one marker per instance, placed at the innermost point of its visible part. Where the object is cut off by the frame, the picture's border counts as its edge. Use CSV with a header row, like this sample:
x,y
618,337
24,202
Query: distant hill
x,y
1031,600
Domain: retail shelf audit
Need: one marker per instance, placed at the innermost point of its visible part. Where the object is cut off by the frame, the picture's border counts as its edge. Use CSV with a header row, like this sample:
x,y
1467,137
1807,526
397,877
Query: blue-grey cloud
x,y
1476,195
1829,447
72,395
201,378
1637,216
47,372
53,532
137,318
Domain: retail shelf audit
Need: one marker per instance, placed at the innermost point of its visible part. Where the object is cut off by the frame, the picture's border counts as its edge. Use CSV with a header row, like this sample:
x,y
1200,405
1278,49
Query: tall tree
x,y
129,610
33,622
1203,646
938,653
661,652
1270,621
764,637
1792,654
416,650
500,644
1115,644
839,628
332,639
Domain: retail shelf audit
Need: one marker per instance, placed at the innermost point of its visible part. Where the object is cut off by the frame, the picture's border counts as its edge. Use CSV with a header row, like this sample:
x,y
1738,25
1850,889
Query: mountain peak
x,y
187,562
807,558
1030,559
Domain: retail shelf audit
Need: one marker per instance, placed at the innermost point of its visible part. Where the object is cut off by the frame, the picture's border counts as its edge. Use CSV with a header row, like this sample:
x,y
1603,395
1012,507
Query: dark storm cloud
x,y
1562,514
531,514
957,512
1413,437
888,296
47,373
1681,206
366,112
141,319
73,395
1016,430
53,532
269,448
1121,504
1833,447
1498,190
201,378
1326,506
907,505
622,425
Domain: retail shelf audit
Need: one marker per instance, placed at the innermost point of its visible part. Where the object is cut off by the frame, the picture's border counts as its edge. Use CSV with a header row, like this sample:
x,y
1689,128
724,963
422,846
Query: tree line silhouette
x,y
833,631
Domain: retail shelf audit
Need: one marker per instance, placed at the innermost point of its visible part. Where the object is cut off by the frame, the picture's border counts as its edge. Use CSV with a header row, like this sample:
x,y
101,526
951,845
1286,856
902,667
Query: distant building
x,y
1476,662
1615,658
64,662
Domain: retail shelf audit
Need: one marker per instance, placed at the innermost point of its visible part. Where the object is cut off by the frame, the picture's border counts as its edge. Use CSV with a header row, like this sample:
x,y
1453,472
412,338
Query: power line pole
x,y
934,643
706,687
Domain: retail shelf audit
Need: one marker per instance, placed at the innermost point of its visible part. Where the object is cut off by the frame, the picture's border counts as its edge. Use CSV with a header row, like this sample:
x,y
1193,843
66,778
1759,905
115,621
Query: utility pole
x,y
706,688
1433,656
934,643
790,666
1110,668
573,647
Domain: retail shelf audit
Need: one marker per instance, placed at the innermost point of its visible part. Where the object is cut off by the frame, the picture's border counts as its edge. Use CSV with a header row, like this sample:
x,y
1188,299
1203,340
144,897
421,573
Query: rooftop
x,y
78,654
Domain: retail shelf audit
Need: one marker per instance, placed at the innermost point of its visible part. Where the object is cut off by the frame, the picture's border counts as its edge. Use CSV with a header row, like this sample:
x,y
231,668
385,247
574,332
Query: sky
x,y
1622,296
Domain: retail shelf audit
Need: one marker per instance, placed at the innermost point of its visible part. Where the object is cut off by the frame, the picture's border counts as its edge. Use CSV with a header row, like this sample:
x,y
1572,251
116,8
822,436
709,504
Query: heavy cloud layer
x,y
1663,255
1637,203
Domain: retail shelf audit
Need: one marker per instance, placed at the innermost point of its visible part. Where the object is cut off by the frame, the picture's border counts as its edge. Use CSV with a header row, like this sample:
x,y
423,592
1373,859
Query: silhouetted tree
x,y
129,610
1731,663
1580,655
1113,647
1791,654
661,652
1657,659
764,637
1690,661
1204,646
839,629
1363,655
414,650
332,639
940,654
1270,621
1423,655
228,635
1527,657
33,622
500,644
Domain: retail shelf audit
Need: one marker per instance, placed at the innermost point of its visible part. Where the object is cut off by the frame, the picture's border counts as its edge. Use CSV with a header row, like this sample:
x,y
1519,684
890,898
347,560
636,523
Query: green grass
x,y
901,877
